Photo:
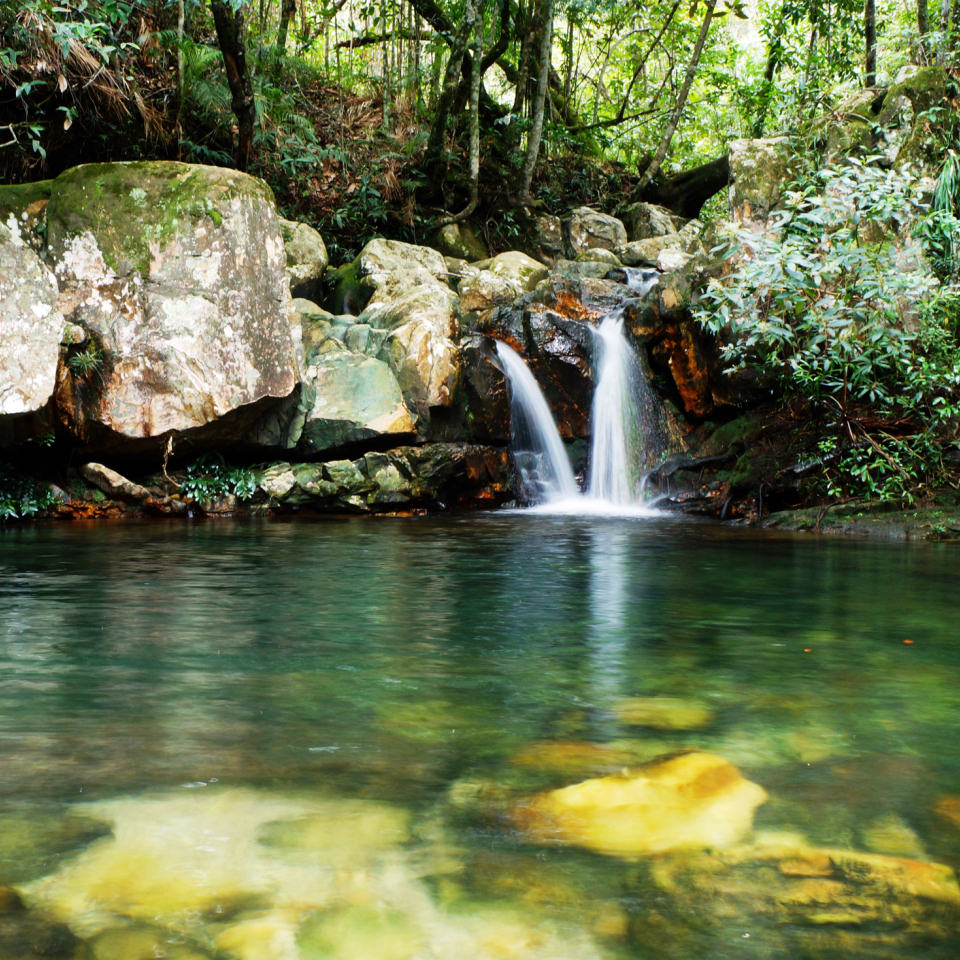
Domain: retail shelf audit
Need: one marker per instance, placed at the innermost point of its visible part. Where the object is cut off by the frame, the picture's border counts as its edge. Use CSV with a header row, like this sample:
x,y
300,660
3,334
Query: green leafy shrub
x,y
209,478
22,497
836,302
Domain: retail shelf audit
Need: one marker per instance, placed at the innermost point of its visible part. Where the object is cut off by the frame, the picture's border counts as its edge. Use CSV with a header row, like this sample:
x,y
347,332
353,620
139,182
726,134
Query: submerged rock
x,y
691,801
663,713
798,900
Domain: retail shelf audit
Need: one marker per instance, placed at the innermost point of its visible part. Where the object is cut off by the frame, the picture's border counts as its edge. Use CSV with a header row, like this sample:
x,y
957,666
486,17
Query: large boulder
x,y
177,273
499,280
587,228
461,241
307,259
350,397
30,327
758,171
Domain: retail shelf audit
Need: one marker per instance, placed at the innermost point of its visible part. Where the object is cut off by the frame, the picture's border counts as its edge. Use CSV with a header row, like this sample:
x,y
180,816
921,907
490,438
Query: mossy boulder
x,y
461,241
758,171
177,273
23,208
644,220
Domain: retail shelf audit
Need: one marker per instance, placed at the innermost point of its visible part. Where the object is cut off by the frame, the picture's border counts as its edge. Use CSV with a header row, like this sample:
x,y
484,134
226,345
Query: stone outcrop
x,y
350,397
177,274
758,171
645,220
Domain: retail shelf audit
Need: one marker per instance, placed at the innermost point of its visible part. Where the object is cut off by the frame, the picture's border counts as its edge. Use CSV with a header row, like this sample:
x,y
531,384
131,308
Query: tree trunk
x,y
287,9
229,27
536,129
654,166
870,36
522,78
774,58
923,26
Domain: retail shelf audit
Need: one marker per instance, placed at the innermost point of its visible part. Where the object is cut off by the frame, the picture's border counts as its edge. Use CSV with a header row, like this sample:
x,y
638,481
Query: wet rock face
x,y
177,272
30,327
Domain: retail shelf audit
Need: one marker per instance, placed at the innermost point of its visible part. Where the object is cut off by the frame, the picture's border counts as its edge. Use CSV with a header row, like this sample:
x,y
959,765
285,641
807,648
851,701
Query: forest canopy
x,y
384,115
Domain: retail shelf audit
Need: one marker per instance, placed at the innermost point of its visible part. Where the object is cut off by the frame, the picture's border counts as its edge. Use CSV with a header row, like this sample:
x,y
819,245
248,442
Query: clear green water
x,y
174,674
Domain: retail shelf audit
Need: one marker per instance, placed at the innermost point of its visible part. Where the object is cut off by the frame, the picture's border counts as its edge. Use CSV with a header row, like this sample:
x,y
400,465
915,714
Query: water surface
x,y
407,682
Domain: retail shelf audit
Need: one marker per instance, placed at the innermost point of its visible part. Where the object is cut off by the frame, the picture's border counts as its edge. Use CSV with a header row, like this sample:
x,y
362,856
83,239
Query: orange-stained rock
x,y
692,801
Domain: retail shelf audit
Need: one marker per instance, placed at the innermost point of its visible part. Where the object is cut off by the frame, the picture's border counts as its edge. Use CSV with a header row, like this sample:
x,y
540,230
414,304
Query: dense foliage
x,y
836,300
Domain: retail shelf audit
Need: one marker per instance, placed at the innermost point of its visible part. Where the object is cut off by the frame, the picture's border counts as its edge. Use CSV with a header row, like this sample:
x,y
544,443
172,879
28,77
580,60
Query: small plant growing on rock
x,y
85,363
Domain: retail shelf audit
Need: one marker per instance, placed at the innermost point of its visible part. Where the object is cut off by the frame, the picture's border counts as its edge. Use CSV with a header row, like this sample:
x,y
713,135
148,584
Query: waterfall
x,y
627,427
616,458
541,459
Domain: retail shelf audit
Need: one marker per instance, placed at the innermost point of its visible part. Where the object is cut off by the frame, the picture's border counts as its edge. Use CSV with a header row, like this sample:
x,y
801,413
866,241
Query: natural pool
x,y
279,740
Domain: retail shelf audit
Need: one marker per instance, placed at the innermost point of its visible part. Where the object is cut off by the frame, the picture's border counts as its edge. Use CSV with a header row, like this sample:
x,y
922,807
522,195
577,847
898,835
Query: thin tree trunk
x,y
229,27
923,28
287,9
568,66
543,81
451,79
181,20
476,80
643,60
870,36
524,17
653,168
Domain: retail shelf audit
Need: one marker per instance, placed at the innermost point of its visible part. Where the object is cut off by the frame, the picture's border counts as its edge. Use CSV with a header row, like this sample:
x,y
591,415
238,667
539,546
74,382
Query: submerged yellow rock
x,y
691,801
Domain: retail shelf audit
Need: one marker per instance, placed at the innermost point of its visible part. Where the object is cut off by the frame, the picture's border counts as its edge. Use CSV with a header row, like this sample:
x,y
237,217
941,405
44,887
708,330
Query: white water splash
x,y
541,459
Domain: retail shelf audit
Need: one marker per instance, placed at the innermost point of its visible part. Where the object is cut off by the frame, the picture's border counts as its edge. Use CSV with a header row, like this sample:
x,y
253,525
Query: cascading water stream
x,y
541,459
626,424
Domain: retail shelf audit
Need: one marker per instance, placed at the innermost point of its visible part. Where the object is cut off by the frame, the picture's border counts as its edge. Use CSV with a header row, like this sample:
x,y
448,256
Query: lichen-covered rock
x,y
599,255
517,267
758,171
590,228
645,220
30,327
693,801
177,272
307,259
644,253
380,259
499,281
351,397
